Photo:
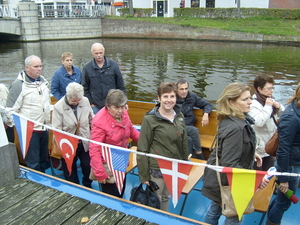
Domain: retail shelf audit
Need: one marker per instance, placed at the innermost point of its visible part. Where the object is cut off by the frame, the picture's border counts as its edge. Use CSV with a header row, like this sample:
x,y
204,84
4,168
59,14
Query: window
x,y
166,6
195,3
210,3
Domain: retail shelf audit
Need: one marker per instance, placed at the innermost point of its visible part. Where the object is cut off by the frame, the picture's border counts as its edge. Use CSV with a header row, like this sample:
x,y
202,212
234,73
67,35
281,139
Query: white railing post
x,y
42,10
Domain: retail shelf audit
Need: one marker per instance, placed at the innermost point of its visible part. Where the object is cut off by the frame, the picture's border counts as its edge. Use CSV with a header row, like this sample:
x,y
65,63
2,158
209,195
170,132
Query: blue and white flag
x,y
24,129
117,161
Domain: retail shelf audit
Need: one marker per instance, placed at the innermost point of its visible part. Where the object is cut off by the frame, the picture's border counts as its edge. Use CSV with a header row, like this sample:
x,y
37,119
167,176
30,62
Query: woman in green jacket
x,y
163,133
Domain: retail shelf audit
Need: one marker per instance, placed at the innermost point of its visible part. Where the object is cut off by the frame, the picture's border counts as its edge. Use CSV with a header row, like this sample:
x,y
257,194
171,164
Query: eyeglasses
x,y
270,88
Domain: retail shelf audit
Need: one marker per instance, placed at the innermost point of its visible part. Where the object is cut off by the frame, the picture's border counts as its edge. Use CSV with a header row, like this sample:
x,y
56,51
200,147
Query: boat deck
x,y
38,198
28,202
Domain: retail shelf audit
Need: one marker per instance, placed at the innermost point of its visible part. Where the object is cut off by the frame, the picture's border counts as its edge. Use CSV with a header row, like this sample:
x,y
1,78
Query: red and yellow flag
x,y
243,184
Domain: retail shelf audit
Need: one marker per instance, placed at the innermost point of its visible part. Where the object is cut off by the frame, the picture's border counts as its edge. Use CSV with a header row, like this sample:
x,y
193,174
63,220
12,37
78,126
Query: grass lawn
x,y
256,25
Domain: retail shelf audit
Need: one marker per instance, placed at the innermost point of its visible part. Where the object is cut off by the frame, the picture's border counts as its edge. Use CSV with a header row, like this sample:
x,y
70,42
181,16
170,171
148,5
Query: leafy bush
x,y
138,12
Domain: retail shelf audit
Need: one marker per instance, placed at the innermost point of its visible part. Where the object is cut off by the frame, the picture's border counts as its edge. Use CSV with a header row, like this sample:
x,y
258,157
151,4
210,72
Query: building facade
x,y
164,8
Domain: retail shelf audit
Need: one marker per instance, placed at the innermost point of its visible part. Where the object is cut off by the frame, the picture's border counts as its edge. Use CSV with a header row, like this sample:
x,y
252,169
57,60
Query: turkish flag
x,y
175,175
68,146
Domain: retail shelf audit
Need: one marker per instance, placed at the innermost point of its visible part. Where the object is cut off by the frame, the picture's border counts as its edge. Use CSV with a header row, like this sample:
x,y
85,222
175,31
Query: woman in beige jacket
x,y
73,114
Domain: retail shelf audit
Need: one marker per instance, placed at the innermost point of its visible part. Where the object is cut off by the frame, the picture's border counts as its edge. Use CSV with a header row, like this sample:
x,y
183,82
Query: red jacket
x,y
107,130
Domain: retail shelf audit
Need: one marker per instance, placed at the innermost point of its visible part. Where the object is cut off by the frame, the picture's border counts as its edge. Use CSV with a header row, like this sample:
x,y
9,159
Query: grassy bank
x,y
256,25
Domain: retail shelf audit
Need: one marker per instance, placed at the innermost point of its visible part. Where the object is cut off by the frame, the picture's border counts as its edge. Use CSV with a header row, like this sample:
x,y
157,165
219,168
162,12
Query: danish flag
x,y
175,175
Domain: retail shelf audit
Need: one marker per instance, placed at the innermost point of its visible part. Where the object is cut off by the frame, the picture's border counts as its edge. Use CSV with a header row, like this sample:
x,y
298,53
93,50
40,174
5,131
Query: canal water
x,y
208,66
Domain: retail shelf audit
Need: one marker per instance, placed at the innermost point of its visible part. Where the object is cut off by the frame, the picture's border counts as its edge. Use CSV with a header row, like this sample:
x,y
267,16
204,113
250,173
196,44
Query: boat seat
x,y
262,199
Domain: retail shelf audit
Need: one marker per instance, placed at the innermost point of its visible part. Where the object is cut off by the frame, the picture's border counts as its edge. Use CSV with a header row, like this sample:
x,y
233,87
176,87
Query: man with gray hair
x,y
29,96
99,76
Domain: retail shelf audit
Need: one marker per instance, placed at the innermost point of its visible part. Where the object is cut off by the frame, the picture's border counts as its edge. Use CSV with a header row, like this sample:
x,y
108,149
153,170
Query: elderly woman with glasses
x,y
111,125
264,109
73,114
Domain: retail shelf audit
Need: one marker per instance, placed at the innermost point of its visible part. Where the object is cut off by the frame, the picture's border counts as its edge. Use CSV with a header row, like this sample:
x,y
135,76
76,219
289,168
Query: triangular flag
x,y
117,161
3,138
68,146
243,184
24,129
175,175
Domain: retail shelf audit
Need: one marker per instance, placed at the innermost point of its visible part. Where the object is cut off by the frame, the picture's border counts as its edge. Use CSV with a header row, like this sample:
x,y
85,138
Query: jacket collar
x,y
155,112
105,65
295,108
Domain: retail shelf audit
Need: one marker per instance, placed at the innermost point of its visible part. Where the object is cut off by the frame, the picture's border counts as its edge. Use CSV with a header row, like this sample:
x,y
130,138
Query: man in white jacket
x,y
264,109
29,96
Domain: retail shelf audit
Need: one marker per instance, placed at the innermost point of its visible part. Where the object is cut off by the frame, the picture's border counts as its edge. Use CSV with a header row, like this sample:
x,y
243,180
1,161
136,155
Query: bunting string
x,y
216,168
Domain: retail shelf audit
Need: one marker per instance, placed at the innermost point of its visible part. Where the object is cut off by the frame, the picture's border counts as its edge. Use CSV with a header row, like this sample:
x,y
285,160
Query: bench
x,y
137,110
262,198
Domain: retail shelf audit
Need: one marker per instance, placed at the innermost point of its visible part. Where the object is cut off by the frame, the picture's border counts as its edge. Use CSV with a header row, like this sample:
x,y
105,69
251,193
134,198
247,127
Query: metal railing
x,y
62,10
70,10
7,11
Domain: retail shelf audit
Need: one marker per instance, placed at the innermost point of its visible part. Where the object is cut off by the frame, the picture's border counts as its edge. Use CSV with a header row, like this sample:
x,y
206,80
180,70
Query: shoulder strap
x,y
273,117
217,164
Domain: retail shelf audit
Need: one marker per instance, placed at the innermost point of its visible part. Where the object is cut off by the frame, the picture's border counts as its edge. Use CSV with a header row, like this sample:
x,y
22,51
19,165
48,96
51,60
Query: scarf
x,y
262,100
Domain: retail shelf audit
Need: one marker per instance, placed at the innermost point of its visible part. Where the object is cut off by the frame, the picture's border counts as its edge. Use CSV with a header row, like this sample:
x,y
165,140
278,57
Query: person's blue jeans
x,y
194,143
37,154
281,203
95,109
214,213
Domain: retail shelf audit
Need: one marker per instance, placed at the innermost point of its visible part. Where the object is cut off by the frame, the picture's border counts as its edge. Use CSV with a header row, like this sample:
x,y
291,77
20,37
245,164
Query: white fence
x,y
74,10
62,10
8,12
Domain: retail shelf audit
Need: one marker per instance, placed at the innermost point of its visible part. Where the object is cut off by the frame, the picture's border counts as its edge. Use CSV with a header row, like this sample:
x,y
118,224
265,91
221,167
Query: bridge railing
x,y
7,11
70,10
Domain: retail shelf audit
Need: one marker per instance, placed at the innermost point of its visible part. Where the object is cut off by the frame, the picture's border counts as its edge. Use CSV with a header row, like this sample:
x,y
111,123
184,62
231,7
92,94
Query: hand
x,y
92,105
147,183
283,187
102,181
269,101
264,182
205,120
276,105
258,160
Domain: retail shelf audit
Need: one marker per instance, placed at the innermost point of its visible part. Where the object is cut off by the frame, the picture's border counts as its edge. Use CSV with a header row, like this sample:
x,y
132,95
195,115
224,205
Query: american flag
x,y
117,161
24,129
175,175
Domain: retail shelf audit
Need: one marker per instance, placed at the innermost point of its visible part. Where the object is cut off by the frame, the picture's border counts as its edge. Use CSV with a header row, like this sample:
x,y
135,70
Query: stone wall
x,y
70,28
118,28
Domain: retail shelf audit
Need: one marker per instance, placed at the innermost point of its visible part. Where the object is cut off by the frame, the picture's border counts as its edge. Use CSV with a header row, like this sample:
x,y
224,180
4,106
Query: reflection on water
x,y
208,66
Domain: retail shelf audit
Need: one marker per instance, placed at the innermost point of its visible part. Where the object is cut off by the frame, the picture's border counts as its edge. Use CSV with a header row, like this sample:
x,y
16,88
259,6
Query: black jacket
x,y
98,81
236,148
187,104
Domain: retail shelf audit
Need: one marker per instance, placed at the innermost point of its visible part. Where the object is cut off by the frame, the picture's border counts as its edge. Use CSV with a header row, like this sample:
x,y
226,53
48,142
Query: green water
x,y
208,66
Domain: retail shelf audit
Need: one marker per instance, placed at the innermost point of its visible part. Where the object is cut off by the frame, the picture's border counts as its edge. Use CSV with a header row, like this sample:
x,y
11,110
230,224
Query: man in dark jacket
x,y
188,100
99,76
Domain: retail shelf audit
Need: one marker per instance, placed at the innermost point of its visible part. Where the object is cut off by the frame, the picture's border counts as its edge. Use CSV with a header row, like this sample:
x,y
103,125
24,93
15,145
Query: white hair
x,y
74,90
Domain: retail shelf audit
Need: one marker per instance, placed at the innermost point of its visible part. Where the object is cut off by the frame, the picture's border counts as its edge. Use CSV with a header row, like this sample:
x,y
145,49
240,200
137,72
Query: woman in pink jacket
x,y
111,125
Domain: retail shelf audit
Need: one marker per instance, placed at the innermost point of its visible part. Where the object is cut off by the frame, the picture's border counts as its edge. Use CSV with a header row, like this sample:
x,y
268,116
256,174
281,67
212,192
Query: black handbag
x,y
146,197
